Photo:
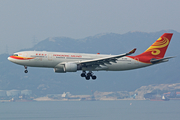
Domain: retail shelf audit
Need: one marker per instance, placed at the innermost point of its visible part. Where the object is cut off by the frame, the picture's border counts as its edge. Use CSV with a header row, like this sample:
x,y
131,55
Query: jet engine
x,y
67,67
59,70
70,67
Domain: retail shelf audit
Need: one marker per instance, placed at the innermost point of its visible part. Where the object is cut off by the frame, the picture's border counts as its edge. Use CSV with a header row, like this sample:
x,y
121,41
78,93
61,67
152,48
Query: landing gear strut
x,y
88,75
26,71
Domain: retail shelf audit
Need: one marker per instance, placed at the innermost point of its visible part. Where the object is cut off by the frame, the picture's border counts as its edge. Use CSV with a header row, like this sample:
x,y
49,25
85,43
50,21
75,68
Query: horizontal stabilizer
x,y
155,61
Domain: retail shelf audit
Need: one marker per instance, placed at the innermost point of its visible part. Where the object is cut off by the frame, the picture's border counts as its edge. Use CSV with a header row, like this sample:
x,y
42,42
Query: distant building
x,y
13,92
26,92
66,94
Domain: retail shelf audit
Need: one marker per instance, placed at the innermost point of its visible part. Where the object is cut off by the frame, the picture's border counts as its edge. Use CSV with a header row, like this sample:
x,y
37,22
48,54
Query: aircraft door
x,y
50,57
25,55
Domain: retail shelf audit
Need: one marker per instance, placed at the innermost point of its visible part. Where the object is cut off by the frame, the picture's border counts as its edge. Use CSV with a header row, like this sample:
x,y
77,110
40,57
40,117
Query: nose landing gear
x,y
88,75
26,71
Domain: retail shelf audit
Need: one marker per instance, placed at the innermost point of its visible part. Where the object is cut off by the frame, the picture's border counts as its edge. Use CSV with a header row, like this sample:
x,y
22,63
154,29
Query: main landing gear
x,y
26,71
88,75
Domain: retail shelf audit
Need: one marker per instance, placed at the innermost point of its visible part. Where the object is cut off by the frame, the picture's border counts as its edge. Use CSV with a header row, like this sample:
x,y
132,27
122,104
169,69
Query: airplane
x,y
63,62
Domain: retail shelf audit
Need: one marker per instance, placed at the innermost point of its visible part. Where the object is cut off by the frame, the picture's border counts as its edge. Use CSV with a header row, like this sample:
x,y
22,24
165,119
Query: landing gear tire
x,y
83,74
26,71
89,74
87,77
94,77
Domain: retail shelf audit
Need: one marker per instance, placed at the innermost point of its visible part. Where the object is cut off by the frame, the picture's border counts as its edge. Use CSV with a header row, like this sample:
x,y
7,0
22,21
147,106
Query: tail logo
x,y
160,43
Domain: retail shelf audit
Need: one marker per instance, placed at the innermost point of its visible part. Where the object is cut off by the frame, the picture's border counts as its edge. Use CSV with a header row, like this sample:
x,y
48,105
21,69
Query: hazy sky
x,y
22,20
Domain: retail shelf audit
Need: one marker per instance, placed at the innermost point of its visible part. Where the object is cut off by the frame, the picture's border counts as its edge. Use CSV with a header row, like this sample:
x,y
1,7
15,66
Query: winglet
x,y
132,51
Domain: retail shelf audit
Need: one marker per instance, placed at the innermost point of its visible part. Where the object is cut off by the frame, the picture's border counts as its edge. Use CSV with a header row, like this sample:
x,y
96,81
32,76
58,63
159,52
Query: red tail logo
x,y
157,50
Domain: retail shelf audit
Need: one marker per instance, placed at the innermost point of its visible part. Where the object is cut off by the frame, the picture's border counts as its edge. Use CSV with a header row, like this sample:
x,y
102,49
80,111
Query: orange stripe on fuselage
x,y
142,59
21,58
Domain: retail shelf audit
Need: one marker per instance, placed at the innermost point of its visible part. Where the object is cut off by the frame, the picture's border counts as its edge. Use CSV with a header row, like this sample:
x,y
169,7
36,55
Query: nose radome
x,y
9,58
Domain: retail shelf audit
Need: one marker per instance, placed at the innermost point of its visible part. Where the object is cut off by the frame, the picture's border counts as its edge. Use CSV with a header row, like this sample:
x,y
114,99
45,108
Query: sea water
x,y
91,110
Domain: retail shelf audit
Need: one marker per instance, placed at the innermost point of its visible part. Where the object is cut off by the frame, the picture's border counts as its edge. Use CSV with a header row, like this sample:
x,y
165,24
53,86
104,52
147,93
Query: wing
x,y
105,60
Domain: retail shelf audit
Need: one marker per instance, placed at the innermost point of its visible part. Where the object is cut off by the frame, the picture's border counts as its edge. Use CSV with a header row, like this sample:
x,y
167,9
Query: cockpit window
x,y
15,55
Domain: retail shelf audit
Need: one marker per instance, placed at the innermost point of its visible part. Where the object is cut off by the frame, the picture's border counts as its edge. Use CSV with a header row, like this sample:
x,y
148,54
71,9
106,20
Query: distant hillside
x,y
156,89
45,81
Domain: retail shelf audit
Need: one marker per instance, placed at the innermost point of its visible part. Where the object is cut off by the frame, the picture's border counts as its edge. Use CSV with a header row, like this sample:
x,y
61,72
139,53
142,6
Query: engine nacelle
x,y
70,67
59,70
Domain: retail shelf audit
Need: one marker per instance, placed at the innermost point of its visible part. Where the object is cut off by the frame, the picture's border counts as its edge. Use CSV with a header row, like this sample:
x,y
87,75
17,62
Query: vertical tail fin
x,y
158,48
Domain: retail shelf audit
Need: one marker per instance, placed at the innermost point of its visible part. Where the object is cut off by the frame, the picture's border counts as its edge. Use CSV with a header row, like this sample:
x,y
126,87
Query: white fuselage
x,y
56,59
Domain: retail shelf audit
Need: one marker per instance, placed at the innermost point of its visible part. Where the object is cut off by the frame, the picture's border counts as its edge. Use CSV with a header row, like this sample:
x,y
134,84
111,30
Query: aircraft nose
x,y
9,58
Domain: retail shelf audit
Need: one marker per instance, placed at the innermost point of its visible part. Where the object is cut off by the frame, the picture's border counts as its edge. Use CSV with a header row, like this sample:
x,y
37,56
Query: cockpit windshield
x,y
15,54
